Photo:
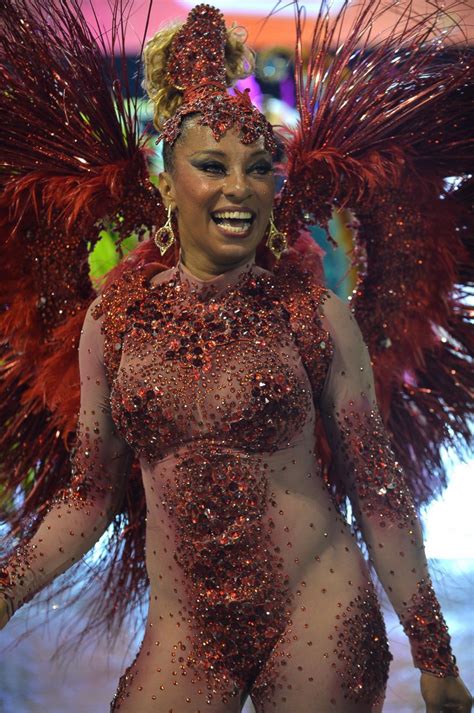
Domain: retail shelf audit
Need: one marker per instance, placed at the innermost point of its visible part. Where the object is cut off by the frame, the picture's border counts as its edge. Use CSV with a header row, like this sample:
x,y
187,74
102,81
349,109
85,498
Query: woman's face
x,y
222,194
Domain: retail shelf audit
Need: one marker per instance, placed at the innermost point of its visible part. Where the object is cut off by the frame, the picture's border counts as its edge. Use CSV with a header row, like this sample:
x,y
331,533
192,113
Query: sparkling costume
x,y
221,390
257,583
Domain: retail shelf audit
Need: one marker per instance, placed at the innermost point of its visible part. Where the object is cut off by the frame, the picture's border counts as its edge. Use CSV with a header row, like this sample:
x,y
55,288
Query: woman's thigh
x,y
333,656
165,678
139,694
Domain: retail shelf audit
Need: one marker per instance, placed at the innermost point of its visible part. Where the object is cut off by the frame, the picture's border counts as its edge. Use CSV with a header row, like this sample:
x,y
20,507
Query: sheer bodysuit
x,y
257,585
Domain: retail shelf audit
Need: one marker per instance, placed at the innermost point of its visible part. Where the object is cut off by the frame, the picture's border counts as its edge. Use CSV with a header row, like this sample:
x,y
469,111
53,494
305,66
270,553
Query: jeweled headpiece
x,y
196,66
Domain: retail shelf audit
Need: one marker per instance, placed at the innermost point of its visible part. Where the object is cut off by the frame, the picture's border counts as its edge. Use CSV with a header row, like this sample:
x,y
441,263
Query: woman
x,y
213,374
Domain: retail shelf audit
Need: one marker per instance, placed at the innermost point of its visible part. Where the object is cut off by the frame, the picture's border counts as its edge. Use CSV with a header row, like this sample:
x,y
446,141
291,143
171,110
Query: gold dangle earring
x,y
164,236
276,241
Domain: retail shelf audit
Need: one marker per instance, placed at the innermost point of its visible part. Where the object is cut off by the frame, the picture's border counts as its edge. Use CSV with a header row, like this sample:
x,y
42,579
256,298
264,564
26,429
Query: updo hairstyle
x,y
166,99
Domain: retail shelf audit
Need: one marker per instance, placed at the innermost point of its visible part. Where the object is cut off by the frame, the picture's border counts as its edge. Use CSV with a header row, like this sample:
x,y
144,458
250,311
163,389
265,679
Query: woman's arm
x,y
379,495
79,515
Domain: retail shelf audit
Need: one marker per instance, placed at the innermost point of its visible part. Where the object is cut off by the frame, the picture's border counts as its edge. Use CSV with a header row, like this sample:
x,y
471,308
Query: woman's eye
x,y
212,167
262,168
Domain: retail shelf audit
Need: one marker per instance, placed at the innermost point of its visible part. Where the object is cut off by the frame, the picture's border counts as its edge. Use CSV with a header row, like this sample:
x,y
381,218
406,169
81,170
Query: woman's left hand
x,y
445,695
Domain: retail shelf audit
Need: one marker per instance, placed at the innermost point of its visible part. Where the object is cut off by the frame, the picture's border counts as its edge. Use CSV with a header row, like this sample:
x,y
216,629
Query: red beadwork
x,y
197,65
426,628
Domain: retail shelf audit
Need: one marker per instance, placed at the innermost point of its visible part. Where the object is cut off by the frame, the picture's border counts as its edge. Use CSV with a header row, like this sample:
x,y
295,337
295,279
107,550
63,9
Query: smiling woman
x,y
222,194
214,370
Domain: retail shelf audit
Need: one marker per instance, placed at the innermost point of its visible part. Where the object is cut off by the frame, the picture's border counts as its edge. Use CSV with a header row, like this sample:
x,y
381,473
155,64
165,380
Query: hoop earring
x,y
276,241
164,236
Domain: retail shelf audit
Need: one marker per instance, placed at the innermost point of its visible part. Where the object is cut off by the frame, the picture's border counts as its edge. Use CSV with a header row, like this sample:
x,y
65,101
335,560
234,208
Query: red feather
x,y
382,123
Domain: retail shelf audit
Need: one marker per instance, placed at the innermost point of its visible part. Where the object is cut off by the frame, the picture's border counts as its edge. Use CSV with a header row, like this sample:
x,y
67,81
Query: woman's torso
x,y
212,395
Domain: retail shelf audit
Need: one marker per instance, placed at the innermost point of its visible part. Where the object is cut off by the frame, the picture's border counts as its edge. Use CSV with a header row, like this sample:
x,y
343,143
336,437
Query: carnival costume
x,y
248,400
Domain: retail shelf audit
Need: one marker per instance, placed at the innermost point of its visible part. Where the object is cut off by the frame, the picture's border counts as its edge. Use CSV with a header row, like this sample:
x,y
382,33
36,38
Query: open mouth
x,y
237,222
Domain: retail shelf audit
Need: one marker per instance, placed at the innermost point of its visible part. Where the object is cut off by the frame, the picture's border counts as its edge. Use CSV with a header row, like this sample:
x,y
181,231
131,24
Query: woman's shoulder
x,y
129,286
115,292
300,281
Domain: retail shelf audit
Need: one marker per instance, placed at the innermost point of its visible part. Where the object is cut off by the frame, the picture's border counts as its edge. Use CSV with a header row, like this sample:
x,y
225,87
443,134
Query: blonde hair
x,y
166,99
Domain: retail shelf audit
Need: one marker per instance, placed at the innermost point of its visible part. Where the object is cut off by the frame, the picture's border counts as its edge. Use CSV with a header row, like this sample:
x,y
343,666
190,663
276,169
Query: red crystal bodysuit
x,y
256,582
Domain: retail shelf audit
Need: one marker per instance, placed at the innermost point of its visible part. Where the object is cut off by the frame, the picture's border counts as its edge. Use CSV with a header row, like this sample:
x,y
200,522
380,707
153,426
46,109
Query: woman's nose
x,y
237,185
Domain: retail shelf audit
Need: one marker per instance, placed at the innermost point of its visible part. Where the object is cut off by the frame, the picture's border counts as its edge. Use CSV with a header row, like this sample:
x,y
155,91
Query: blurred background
x,y
32,679
253,16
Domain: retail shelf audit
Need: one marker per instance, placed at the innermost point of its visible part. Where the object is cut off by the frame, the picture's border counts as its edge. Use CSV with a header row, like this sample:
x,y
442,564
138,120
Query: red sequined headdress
x,y
197,66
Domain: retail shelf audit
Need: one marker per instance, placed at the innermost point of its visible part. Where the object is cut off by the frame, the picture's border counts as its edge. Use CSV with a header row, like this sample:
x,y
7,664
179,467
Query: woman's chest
x,y
228,369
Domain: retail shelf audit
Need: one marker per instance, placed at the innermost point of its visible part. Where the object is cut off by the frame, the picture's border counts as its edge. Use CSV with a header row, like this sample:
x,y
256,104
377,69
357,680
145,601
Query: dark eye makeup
x,y
209,166
262,167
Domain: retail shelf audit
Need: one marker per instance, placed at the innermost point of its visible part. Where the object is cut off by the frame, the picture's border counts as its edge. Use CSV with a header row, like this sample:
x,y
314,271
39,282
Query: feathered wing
x,y
73,162
382,127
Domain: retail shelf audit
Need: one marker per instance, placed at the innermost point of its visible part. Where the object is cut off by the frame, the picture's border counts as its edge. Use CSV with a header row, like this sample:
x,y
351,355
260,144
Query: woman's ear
x,y
166,188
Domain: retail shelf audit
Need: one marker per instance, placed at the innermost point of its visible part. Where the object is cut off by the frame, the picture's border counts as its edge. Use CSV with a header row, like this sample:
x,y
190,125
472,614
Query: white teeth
x,y
235,228
233,214
238,222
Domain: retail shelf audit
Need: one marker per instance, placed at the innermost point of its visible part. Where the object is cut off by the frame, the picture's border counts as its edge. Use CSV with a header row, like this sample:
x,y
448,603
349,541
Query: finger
x,y
431,708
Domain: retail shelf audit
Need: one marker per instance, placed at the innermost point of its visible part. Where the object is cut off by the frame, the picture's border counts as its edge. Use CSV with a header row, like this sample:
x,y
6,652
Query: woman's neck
x,y
205,270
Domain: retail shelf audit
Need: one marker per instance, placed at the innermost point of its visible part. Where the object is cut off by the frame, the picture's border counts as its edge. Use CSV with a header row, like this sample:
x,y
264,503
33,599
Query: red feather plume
x,y
73,161
381,127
